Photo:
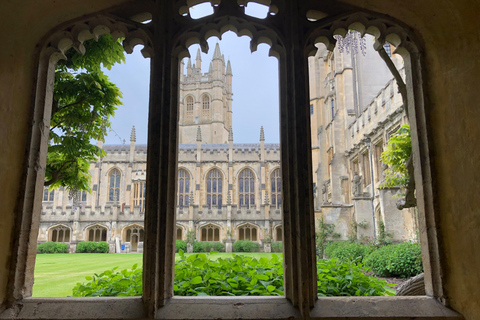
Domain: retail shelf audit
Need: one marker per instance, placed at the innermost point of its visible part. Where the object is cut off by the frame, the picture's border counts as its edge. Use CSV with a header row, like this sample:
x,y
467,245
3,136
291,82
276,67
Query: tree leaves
x,y
395,155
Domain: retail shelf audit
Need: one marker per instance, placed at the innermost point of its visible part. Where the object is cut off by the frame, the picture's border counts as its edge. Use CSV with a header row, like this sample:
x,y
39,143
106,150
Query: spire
x,y
223,58
230,134
198,55
189,64
217,54
229,69
210,68
262,134
198,60
199,134
133,137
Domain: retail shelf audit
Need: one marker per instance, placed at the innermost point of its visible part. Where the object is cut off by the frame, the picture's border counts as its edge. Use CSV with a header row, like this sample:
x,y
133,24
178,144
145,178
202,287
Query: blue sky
x,y
255,91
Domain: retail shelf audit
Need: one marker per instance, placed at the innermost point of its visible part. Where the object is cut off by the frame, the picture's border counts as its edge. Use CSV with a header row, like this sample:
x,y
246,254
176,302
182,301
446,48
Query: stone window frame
x,y
250,227
138,194
205,101
48,195
300,299
275,194
189,108
57,228
102,230
242,193
217,195
207,228
183,194
116,185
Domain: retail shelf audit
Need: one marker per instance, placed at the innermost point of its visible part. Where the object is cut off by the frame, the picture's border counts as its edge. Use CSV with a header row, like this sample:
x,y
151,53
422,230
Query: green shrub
x,y
277,246
246,246
349,251
52,247
92,247
335,278
399,260
334,245
112,283
207,246
180,245
197,275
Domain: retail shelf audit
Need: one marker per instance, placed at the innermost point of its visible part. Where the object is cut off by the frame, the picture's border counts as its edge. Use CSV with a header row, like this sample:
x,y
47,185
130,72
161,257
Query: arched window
x,y
179,233
246,188
189,109
60,234
205,106
183,188
114,185
134,235
248,232
48,195
97,233
210,232
276,188
81,196
279,233
214,189
138,198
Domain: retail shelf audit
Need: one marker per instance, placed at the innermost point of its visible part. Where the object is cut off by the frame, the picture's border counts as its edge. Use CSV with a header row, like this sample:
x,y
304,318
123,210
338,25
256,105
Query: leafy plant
x,y
190,237
384,237
398,260
83,102
208,246
52,247
246,246
395,155
112,283
324,231
349,251
277,246
92,247
180,245
347,279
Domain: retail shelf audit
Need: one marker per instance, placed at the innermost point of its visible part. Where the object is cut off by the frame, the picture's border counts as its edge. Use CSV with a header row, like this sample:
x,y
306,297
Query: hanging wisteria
x,y
351,43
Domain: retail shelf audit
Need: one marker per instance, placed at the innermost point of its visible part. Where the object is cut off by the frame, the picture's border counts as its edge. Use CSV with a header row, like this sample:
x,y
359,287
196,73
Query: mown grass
x,y
57,274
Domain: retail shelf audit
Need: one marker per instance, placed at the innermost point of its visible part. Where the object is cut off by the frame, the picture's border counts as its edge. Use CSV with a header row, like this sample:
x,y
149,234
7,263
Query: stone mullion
x,y
298,214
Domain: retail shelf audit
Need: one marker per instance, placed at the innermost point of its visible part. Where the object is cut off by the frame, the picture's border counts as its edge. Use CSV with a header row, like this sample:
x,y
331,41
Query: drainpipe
x,y
372,183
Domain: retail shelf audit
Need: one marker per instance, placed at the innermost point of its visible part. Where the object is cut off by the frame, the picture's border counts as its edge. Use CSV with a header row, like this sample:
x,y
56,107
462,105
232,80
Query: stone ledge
x,y
334,308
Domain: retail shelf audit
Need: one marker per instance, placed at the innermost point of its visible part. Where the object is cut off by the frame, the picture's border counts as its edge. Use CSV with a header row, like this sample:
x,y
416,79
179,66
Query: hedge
x,y
92,247
180,245
52,247
277,246
207,246
348,251
398,260
246,246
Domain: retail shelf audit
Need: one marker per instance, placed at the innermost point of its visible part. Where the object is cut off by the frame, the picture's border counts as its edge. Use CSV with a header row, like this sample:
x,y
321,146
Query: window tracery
x,y
48,195
60,234
97,233
205,106
114,185
210,232
214,189
189,109
138,199
248,232
246,188
183,188
276,188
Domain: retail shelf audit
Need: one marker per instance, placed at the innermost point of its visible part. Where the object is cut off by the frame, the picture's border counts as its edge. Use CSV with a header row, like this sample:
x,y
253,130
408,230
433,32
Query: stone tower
x,y
206,100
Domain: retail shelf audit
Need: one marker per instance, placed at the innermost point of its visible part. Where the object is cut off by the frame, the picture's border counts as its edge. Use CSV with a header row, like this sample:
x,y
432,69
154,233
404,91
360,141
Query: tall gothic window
x,y
214,189
248,232
139,195
97,233
81,196
246,188
210,233
189,110
276,188
60,234
205,106
48,195
114,185
183,188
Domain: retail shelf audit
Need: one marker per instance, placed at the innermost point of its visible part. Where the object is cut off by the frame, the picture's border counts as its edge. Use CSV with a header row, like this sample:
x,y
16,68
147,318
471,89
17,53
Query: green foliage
x,y
246,246
190,237
180,245
92,247
112,283
196,275
52,247
207,246
395,155
398,260
384,237
323,233
84,100
277,246
348,251
347,279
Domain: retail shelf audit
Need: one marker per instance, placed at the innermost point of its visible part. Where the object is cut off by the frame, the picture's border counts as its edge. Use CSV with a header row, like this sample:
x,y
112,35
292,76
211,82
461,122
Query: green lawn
x,y
57,274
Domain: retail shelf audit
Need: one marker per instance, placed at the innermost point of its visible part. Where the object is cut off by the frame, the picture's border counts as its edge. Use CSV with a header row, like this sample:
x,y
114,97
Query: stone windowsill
x,y
422,307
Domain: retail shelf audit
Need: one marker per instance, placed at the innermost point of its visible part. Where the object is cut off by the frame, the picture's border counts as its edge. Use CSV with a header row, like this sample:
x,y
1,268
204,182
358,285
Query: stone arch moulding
x,y
386,29
50,230
227,16
190,175
247,167
214,167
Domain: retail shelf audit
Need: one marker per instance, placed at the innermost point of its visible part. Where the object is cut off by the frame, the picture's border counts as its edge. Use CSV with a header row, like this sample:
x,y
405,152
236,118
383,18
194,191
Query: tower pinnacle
x,y
133,137
217,54
230,134
229,69
262,134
